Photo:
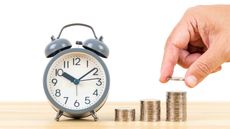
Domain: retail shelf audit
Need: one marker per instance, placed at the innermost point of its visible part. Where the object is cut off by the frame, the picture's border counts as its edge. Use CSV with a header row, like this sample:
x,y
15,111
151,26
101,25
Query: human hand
x,y
200,42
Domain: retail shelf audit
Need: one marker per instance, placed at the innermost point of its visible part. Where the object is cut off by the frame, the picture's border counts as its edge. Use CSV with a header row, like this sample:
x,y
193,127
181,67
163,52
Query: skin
x,y
200,42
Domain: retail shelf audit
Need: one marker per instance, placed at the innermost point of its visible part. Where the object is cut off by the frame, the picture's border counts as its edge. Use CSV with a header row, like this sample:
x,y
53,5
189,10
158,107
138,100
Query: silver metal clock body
x,y
79,113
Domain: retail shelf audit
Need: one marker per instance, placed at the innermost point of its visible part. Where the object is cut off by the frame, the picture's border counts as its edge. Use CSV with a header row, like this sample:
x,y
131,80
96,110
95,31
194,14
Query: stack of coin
x,y
176,106
124,114
150,110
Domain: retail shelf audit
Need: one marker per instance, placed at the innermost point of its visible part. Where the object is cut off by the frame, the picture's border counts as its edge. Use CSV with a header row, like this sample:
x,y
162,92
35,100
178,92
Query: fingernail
x,y
191,81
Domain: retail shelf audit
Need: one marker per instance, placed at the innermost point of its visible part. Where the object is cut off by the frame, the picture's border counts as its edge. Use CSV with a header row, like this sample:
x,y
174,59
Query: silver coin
x,y
150,110
176,78
176,106
124,114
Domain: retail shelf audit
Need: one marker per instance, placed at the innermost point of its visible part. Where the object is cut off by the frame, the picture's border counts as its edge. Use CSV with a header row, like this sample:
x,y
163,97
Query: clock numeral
x,y
87,100
59,72
66,64
95,92
96,71
76,61
58,93
66,99
99,82
76,104
54,81
87,63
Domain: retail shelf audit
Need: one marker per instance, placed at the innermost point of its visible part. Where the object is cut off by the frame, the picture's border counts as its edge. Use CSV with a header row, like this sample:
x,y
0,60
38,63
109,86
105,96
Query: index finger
x,y
179,35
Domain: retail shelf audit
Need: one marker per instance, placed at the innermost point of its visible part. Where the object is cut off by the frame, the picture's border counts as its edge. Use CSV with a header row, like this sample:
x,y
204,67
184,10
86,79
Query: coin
x,y
176,78
176,109
124,114
150,110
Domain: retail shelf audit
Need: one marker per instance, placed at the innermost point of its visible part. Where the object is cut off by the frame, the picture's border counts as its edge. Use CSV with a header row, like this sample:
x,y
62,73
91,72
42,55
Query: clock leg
x,y
93,113
59,114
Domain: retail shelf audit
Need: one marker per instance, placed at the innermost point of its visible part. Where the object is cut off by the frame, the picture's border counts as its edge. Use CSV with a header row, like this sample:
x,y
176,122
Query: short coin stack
x,y
176,106
150,110
124,114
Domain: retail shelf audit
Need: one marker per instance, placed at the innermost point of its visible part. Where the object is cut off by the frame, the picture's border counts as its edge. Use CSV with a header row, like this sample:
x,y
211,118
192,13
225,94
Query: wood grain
x,y
39,115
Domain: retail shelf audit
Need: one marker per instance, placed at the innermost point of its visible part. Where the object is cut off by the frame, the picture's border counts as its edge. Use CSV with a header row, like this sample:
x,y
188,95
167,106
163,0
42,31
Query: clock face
x,y
76,80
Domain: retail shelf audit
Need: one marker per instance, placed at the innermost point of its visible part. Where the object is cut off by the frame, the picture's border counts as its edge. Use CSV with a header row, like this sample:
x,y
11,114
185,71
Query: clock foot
x,y
93,113
59,114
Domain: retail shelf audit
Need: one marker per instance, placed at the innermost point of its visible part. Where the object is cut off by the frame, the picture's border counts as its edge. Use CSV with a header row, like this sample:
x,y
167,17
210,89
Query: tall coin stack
x,y
176,106
150,110
124,114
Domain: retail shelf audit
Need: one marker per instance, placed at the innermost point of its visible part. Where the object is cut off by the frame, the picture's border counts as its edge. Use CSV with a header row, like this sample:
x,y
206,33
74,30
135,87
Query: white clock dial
x,y
76,80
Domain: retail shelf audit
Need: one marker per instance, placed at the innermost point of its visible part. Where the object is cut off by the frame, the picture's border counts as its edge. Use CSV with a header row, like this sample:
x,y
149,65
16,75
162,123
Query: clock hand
x,y
90,79
71,78
76,90
86,73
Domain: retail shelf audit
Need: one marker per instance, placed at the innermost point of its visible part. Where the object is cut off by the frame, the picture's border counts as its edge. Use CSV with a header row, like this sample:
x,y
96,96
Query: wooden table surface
x,y
39,115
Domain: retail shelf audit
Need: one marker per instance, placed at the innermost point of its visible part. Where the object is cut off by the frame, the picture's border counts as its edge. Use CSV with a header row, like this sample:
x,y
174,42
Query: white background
x,y
135,32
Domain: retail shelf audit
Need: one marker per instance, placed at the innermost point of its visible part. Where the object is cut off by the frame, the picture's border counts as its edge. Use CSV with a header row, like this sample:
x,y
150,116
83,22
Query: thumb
x,y
202,67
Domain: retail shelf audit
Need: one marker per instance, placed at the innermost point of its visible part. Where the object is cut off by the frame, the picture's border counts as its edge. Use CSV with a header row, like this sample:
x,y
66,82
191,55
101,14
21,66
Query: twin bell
x,y
93,44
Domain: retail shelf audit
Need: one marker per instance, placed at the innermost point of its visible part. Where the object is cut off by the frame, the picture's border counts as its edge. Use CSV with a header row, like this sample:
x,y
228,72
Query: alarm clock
x,y
76,80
